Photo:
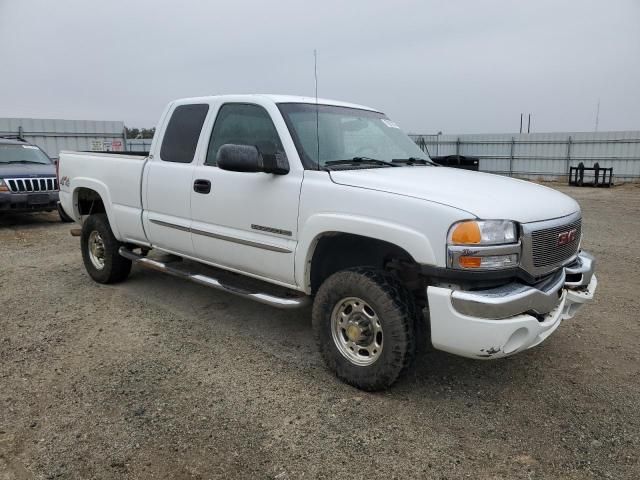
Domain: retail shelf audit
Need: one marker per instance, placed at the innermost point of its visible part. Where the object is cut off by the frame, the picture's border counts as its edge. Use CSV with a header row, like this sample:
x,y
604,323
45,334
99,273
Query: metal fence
x,y
139,144
54,135
545,156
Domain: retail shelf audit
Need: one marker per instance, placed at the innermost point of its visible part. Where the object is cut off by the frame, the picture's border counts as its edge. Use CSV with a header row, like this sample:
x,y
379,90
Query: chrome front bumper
x,y
515,298
501,321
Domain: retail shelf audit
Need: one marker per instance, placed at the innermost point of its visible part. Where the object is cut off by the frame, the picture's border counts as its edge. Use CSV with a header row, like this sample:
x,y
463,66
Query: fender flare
x,y
412,241
102,190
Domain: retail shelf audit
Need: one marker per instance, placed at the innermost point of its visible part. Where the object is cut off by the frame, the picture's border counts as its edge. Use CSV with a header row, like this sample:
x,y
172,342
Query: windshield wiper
x,y
413,161
360,161
23,161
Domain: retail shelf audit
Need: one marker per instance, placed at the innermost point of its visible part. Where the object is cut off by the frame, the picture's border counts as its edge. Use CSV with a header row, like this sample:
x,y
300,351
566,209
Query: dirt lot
x,y
159,378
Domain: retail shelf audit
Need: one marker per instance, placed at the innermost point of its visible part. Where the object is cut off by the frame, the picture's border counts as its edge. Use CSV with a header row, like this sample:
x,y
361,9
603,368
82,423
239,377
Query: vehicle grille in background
x,y
47,184
545,248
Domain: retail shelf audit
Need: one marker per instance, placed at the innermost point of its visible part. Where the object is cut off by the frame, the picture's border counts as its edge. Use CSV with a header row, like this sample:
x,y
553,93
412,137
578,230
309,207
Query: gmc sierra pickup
x,y
290,201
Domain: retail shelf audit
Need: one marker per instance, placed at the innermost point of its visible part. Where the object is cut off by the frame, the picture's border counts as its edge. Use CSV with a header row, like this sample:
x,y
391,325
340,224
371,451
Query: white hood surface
x,y
483,195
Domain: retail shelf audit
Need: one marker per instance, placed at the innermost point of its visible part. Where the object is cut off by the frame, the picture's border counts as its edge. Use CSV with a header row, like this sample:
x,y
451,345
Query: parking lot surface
x,y
160,378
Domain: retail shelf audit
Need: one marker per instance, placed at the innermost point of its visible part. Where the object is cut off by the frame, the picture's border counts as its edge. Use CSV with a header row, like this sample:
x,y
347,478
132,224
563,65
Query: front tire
x,y
100,251
363,322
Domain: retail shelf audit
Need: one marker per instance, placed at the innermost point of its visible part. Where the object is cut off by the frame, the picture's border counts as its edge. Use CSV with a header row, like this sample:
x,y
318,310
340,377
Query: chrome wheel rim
x,y
357,331
96,250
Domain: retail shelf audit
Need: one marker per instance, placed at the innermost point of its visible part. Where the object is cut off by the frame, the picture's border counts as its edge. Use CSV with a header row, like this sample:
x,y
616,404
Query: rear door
x,y
169,174
248,221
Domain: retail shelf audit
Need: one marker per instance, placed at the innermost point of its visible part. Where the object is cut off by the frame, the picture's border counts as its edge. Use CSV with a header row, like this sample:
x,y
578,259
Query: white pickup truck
x,y
291,201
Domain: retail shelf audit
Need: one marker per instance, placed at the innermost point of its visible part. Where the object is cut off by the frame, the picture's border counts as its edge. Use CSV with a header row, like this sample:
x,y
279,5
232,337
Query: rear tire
x,y
100,251
64,218
363,322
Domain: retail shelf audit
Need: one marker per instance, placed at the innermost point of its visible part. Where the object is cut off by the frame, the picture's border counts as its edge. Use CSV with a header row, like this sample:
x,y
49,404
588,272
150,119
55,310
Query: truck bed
x,y
124,154
117,177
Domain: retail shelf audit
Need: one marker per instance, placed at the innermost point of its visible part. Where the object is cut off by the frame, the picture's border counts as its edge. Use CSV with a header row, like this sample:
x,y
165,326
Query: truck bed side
x,y
116,178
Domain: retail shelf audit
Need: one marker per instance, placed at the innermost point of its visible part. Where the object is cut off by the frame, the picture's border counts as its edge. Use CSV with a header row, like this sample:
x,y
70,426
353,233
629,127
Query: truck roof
x,y
276,99
11,141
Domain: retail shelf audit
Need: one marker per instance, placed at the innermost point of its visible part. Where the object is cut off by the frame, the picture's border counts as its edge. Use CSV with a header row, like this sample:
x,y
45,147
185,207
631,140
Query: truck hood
x,y
26,170
484,195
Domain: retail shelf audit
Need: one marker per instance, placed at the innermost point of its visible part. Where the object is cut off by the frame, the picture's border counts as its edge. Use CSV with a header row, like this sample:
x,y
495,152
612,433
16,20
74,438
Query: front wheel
x,y
100,251
363,322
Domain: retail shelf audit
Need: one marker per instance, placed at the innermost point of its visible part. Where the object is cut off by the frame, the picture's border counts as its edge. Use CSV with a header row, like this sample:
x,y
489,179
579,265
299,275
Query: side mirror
x,y
247,158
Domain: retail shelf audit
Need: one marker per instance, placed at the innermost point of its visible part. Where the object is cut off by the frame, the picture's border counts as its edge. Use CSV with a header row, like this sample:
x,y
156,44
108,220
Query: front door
x,y
247,221
167,217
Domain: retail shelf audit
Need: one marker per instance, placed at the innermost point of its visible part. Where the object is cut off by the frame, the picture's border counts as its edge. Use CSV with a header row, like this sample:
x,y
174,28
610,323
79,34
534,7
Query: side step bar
x,y
266,298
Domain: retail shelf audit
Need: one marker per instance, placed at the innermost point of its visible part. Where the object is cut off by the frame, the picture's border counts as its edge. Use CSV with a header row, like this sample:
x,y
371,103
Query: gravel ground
x,y
160,378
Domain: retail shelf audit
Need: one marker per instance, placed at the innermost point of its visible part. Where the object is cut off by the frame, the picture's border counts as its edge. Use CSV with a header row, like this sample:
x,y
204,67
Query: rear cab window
x,y
182,133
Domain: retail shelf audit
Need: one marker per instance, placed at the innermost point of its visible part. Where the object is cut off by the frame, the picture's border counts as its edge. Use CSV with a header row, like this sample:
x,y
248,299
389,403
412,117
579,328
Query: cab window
x,y
182,134
243,124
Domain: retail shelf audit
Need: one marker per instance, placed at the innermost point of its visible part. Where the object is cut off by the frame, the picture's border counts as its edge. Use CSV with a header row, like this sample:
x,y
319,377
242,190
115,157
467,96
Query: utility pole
x,y
529,125
521,122
597,115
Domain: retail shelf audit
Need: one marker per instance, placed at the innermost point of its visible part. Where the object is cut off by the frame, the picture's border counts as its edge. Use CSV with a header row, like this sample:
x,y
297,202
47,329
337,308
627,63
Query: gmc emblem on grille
x,y
566,237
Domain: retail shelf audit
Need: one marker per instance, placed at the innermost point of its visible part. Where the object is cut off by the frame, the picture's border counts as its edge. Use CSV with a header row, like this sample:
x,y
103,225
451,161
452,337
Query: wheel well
x,y
89,201
338,251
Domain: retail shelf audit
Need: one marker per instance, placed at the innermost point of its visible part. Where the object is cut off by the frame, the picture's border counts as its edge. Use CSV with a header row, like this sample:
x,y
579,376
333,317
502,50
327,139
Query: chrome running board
x,y
285,302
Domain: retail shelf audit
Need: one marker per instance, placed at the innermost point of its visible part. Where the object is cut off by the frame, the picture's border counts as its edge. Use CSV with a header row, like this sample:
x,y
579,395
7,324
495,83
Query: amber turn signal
x,y
469,262
466,233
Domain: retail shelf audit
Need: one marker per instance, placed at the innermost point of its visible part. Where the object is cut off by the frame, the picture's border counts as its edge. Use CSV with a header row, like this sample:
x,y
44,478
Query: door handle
x,y
202,186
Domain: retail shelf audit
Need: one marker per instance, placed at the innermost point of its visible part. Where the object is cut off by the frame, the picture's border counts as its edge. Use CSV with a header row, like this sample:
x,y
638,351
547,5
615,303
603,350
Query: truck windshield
x,y
328,136
22,154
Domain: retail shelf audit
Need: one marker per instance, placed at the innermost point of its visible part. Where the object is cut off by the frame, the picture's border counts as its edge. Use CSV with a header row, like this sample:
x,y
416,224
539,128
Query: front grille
x,y
544,244
45,184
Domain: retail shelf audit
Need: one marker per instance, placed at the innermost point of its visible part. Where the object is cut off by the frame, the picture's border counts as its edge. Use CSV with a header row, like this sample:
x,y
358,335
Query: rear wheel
x,y
100,251
363,322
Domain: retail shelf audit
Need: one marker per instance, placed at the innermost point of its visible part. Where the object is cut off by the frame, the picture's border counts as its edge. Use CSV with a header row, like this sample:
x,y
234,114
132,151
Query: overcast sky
x,y
454,66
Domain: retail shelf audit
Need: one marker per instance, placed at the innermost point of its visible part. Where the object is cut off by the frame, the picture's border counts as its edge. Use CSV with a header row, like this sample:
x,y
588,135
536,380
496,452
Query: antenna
x,y
315,74
597,115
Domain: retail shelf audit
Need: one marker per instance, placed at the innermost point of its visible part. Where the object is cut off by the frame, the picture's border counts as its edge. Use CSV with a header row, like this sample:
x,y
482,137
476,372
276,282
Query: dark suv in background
x,y
27,179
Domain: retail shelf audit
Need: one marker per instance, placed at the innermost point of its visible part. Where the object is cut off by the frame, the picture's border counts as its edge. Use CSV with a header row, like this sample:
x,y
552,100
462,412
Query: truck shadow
x,y
287,336
436,375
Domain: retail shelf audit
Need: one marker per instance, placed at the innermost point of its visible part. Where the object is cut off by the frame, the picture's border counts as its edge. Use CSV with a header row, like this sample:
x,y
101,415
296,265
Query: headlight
x,y
483,232
483,245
